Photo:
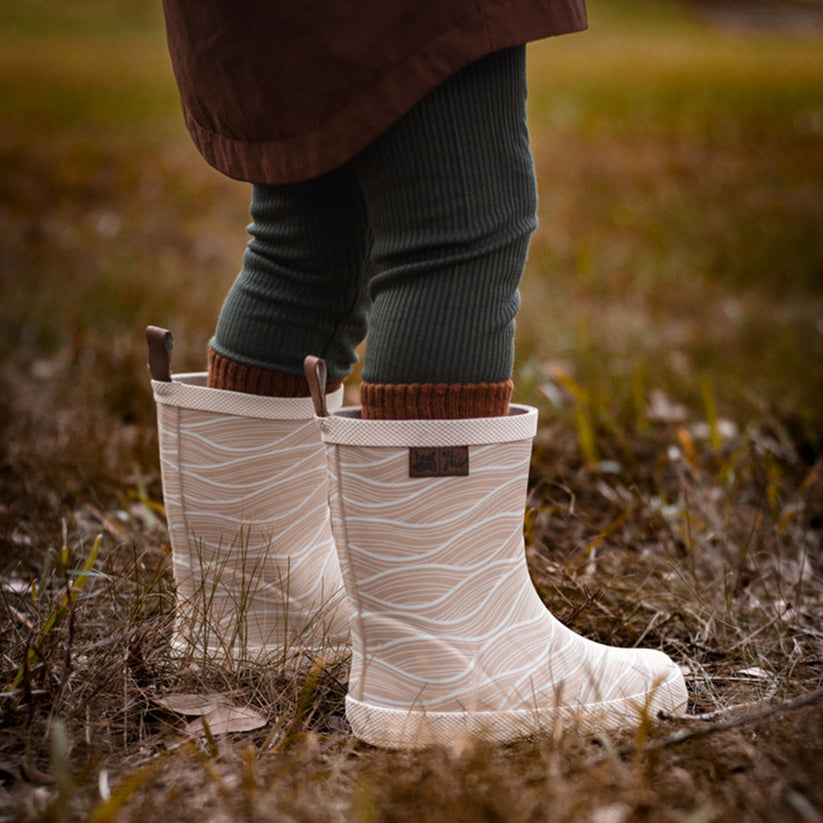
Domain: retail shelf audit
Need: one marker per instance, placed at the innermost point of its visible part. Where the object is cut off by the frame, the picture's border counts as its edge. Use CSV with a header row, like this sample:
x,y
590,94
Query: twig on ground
x,y
687,735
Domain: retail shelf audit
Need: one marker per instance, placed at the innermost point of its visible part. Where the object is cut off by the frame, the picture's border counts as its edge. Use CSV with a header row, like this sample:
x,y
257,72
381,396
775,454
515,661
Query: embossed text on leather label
x,y
451,461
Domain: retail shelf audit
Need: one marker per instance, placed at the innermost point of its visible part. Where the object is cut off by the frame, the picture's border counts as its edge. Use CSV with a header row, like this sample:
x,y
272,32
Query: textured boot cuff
x,y
233,376
434,401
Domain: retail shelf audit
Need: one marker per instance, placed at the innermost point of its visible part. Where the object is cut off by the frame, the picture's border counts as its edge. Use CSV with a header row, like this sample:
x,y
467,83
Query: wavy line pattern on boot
x,y
450,636
246,502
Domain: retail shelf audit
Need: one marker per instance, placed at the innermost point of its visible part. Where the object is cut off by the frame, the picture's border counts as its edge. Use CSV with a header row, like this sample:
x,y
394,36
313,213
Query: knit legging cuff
x,y
233,376
434,401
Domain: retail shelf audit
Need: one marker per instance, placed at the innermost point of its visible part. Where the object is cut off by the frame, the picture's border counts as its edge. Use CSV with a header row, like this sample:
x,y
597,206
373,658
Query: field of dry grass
x,y
671,335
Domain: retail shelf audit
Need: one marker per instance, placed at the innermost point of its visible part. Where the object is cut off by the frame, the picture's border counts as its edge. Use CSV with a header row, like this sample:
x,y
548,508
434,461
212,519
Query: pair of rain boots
x,y
449,638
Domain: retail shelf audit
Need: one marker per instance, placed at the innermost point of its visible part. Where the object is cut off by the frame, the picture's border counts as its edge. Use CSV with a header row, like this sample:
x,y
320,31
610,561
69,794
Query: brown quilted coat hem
x,y
321,147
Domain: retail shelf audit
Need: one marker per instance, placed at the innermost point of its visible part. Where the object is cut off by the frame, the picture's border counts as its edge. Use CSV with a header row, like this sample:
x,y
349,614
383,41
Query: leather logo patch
x,y
439,462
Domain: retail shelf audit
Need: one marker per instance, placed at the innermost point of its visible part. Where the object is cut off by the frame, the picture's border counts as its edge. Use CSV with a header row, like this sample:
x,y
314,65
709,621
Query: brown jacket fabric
x,y
285,90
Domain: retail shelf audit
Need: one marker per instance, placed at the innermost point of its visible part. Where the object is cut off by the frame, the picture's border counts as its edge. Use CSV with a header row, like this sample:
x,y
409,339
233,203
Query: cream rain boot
x,y
245,491
450,638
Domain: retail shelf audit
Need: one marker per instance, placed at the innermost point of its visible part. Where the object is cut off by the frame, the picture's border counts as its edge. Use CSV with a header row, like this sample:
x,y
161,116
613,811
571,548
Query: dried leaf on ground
x,y
224,719
220,714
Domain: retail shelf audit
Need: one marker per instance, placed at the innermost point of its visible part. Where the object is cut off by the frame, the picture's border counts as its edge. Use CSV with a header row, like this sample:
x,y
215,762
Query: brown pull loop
x,y
316,375
160,345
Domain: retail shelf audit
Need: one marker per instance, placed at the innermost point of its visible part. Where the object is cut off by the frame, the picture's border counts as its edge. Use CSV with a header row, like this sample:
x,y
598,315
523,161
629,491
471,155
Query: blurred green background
x,y
679,254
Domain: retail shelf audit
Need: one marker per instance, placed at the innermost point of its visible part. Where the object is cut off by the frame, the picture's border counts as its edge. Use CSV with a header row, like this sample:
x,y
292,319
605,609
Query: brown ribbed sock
x,y
434,401
233,376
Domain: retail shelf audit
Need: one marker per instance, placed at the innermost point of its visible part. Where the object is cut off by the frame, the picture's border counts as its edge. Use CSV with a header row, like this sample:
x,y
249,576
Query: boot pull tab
x,y
160,344
316,376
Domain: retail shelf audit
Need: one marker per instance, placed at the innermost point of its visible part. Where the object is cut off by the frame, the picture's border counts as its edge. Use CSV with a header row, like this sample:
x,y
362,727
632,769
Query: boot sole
x,y
409,729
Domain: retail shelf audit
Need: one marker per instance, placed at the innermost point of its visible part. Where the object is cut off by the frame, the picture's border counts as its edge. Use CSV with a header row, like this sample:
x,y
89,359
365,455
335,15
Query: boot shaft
x,y
428,518
245,490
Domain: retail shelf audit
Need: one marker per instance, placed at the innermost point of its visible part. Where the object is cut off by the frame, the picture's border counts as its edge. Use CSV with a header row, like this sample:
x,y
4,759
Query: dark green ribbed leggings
x,y
420,240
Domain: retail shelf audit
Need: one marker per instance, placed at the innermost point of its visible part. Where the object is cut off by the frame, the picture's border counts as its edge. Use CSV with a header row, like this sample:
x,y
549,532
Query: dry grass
x,y
672,335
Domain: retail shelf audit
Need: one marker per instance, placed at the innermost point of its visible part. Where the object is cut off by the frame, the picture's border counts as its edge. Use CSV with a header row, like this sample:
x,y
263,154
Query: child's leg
x,y
451,201
300,290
